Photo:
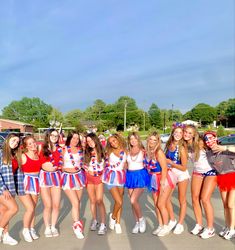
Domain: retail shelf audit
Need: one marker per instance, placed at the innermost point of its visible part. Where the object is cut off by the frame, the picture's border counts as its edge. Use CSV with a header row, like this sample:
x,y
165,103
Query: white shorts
x,y
180,175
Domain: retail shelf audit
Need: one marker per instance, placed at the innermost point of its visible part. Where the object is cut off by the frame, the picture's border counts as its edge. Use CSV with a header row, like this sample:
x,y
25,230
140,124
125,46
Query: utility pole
x,y
164,123
144,120
125,105
172,113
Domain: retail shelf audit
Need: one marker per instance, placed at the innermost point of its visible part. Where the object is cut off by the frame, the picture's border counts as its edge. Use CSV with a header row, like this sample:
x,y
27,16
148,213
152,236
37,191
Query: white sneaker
x,y
47,232
228,236
172,224
112,222
142,224
135,229
164,231
27,236
157,230
178,229
33,234
54,231
207,233
223,232
102,229
78,228
197,229
94,225
118,228
8,240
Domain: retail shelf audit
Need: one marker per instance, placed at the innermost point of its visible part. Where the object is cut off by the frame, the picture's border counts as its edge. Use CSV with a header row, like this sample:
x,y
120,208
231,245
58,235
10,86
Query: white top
x,y
202,165
135,162
115,163
95,166
68,162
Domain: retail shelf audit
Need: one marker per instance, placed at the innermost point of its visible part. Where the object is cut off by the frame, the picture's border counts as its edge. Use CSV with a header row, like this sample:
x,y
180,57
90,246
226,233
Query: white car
x,y
164,137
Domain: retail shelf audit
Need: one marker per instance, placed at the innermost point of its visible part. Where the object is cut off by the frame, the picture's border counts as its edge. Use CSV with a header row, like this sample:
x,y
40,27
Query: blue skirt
x,y
137,178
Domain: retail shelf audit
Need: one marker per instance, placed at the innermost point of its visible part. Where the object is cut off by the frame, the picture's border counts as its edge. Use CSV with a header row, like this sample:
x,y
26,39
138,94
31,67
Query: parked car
x,y
2,139
227,140
164,137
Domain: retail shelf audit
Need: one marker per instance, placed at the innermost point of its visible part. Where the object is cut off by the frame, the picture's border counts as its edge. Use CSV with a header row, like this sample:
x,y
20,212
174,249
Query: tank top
x,y
152,166
202,165
136,162
73,160
31,165
173,155
115,162
14,163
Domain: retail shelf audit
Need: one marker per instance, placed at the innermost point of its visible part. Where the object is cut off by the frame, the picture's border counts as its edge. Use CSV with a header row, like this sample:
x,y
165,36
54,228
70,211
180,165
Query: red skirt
x,y
226,182
91,179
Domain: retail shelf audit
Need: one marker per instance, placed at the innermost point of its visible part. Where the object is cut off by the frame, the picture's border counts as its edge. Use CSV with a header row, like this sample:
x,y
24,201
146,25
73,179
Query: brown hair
x,y
47,145
137,137
8,153
98,147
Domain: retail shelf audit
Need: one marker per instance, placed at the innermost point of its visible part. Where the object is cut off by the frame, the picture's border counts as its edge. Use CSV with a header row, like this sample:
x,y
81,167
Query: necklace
x,y
57,165
117,163
97,169
134,156
80,153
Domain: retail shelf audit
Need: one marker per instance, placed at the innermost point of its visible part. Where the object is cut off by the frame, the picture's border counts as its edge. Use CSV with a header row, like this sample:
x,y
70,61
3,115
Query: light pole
x,y
144,119
172,113
125,105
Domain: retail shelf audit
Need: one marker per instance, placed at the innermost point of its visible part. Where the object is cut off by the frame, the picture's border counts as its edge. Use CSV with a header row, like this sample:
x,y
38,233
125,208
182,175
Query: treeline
x,y
119,115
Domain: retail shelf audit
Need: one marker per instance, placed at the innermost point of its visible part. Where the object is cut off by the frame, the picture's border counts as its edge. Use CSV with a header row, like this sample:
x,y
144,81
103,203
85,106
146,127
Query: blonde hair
x,y
152,153
121,141
137,137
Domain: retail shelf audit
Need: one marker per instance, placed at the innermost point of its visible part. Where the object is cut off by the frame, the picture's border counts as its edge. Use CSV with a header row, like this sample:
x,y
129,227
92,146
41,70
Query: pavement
x,y
126,240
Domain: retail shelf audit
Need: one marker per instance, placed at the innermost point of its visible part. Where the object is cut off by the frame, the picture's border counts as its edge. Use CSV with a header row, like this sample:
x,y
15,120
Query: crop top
x,y
31,165
135,162
55,158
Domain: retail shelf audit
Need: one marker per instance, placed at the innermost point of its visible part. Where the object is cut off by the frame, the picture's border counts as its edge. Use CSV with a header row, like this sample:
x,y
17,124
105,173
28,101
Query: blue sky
x,y
70,53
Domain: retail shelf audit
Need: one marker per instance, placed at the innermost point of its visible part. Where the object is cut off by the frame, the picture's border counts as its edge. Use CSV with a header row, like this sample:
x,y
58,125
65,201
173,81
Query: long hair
x,y
194,146
98,148
137,137
171,139
70,136
8,153
152,153
121,141
48,145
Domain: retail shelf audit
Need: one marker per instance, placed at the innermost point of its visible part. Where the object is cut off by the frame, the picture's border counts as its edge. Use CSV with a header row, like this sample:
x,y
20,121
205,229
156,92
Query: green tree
x,y
29,110
155,116
203,113
133,114
72,118
230,112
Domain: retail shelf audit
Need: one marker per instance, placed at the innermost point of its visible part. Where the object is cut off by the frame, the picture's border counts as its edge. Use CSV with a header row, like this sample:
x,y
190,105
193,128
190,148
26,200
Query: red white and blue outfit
x,y
73,180
155,172
174,156
114,174
31,170
94,171
51,178
136,175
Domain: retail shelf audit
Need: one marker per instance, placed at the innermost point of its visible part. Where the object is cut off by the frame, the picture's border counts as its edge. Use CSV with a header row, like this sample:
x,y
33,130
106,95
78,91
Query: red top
x,y
54,158
14,165
31,165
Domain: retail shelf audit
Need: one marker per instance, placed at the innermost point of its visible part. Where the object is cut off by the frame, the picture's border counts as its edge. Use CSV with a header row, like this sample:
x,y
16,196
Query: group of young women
x,y
28,170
